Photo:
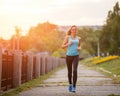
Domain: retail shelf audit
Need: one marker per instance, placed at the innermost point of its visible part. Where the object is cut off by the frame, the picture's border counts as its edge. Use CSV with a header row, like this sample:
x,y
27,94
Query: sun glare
x,y
18,13
28,13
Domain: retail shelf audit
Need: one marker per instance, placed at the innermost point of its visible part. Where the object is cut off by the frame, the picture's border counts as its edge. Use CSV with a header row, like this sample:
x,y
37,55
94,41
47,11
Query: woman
x,y
72,42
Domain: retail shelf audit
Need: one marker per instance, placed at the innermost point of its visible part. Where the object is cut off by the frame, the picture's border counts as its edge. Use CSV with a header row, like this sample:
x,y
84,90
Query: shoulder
x,y
67,36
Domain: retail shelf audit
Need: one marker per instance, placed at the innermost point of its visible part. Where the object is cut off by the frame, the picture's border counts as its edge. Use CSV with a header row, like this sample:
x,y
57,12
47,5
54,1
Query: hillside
x,y
66,28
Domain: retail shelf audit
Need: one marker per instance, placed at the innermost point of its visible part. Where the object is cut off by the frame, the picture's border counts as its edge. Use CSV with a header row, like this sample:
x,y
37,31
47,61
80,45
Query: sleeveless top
x,y
73,49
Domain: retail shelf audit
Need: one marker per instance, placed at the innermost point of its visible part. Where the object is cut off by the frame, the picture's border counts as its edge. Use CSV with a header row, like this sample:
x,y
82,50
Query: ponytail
x,y
69,32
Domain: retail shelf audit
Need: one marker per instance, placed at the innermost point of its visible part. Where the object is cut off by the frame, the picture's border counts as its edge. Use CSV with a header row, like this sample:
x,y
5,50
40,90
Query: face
x,y
74,30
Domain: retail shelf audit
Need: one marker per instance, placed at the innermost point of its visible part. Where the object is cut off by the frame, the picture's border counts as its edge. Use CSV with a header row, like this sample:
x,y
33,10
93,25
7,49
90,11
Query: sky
x,y
28,13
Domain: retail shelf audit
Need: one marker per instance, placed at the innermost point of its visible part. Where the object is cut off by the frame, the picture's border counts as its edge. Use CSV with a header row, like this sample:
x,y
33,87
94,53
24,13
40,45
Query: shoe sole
x,y
73,91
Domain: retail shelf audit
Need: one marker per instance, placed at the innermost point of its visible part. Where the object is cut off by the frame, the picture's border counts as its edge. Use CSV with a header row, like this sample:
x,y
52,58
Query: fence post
x,y
47,64
57,65
0,67
17,69
54,63
51,59
30,66
43,64
37,71
50,62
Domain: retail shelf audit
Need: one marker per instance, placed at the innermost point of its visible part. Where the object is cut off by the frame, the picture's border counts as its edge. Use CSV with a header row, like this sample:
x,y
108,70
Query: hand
x,y
70,43
79,48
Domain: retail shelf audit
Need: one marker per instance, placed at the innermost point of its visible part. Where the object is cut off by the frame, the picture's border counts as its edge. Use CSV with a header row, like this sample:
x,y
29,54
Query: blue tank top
x,y
72,49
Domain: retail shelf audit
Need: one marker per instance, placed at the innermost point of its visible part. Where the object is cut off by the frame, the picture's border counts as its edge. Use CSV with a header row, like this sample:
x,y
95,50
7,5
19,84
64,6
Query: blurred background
x,y
41,26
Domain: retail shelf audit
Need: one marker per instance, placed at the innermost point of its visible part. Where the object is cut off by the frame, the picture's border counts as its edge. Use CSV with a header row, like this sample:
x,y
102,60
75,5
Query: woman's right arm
x,y
65,42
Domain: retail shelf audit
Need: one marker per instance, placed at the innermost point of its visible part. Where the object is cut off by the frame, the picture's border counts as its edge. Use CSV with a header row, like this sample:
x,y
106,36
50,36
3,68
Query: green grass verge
x,y
113,95
112,66
30,84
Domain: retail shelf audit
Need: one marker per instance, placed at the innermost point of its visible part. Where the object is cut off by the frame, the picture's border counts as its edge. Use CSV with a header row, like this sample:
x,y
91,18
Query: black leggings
x,y
72,60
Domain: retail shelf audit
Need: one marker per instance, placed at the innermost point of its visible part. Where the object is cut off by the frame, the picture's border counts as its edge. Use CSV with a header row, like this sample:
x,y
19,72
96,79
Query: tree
x,y
46,37
110,37
90,39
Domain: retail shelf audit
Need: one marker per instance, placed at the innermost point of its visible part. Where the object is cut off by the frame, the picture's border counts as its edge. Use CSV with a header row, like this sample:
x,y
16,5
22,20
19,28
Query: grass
x,y
30,84
112,66
113,95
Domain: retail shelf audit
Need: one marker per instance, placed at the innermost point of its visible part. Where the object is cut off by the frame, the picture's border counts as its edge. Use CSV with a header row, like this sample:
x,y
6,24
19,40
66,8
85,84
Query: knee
x,y
70,73
74,71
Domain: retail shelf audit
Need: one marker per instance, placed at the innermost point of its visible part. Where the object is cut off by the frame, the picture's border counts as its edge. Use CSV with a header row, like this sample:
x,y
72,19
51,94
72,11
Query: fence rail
x,y
18,68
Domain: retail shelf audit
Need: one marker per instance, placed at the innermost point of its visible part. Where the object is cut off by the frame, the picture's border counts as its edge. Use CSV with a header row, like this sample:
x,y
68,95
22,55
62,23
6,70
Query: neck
x,y
73,36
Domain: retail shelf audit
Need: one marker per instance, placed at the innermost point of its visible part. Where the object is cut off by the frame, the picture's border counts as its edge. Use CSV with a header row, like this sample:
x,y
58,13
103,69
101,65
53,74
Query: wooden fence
x,y
17,67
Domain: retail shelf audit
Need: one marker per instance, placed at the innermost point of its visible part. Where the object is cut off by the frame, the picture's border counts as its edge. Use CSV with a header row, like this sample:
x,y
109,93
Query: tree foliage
x,y
110,37
90,39
43,37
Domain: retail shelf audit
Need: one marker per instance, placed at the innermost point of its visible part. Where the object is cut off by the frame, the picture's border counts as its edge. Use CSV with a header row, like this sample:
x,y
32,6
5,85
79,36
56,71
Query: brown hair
x,y
69,32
